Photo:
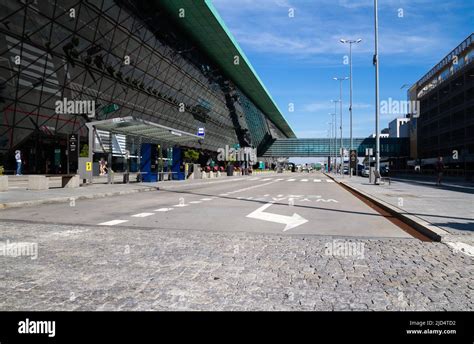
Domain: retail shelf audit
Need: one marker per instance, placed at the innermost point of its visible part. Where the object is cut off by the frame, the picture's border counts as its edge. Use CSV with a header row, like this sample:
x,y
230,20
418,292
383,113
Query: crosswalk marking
x,y
164,209
304,180
279,179
291,180
317,180
112,223
329,180
142,215
266,179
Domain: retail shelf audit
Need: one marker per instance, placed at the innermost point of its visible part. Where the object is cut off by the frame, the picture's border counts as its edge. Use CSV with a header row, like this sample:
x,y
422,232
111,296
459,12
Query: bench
x,y
41,182
382,179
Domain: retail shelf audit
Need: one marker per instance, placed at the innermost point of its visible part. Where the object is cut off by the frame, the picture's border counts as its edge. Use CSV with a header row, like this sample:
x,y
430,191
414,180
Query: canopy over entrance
x,y
146,130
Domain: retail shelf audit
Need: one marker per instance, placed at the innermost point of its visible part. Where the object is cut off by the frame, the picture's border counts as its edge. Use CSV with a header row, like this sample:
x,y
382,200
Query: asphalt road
x,y
307,203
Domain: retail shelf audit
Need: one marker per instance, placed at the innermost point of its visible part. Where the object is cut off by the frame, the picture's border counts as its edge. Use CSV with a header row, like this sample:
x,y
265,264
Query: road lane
x,y
302,206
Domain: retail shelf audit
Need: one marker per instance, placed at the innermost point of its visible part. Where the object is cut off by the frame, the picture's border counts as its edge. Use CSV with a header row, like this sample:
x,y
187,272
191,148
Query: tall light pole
x,y
376,63
340,112
335,131
330,144
350,42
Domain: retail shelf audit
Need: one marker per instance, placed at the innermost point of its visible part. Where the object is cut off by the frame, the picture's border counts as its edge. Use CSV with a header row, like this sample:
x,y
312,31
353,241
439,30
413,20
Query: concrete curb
x,y
433,232
66,199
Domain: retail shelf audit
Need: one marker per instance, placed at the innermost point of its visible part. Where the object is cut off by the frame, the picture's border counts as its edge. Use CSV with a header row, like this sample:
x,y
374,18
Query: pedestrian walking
x,y
439,170
18,162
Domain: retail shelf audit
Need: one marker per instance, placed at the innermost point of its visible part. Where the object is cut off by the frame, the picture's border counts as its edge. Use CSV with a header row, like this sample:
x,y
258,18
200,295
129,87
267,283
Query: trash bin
x,y
230,170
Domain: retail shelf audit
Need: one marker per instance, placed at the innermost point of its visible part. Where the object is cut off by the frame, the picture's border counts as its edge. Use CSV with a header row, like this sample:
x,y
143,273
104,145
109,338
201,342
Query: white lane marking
x,y
224,194
462,247
142,215
206,199
195,202
266,195
254,178
279,179
291,180
317,180
180,205
251,187
249,197
164,209
304,180
289,221
112,223
329,180
266,179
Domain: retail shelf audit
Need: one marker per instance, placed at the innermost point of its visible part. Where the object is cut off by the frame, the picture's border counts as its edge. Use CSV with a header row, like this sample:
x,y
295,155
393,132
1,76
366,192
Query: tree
x,y
191,156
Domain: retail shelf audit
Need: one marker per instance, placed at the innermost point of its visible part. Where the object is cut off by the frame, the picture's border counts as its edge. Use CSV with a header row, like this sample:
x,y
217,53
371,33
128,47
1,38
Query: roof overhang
x,y
203,23
146,130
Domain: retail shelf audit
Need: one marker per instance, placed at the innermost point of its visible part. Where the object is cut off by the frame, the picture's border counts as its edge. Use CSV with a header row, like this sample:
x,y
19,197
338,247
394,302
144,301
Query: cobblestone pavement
x,y
119,268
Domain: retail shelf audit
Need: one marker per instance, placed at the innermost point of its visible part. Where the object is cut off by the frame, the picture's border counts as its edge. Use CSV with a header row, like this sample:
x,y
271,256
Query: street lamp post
x,y
340,112
335,132
350,42
376,63
330,146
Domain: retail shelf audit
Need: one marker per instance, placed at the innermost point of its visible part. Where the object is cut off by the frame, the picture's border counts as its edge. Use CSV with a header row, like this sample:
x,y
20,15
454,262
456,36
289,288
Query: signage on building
x,y
201,132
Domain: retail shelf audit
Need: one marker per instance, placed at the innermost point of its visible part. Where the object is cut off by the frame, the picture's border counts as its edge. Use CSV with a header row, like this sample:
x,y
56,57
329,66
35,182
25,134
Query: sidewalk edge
x,y
433,232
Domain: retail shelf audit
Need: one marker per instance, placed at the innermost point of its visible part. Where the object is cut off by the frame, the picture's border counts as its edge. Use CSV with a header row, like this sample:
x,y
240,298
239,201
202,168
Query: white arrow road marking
x,y
142,215
317,180
290,221
164,209
462,247
112,223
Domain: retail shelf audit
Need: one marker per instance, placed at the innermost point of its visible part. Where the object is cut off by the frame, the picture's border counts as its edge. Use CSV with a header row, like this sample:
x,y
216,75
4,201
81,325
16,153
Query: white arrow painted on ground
x,y
290,221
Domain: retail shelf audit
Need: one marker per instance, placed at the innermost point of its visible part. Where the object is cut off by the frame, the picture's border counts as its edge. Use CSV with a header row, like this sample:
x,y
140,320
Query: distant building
x,y
383,134
399,127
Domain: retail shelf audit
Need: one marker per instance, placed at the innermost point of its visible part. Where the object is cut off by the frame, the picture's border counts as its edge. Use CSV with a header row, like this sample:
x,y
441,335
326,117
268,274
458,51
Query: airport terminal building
x,y
66,64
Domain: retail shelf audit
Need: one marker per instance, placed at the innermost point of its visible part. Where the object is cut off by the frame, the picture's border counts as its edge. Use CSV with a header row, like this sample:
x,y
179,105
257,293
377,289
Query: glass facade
x,y
127,61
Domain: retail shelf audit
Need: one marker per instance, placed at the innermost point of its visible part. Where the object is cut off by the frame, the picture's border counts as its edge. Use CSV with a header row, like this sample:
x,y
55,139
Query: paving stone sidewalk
x,y
90,268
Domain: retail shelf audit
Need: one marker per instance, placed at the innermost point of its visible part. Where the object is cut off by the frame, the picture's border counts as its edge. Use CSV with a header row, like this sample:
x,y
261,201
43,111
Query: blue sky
x,y
297,57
